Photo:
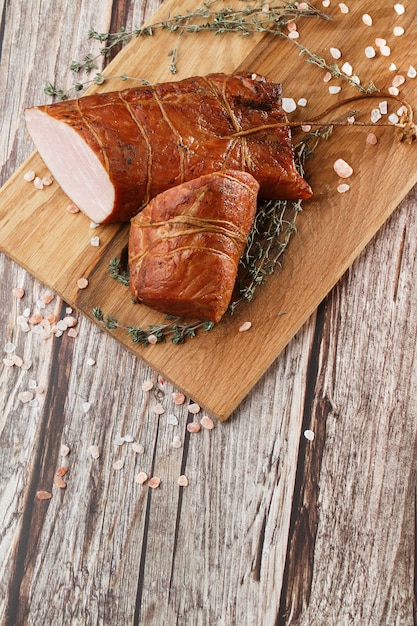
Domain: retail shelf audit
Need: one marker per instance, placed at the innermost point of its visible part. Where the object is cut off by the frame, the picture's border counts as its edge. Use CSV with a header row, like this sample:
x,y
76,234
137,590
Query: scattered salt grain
x,y
59,482
176,442
207,422
152,339
294,34
17,360
64,450
172,419
399,9
178,398
94,451
394,91
138,448
47,181
90,361
25,396
245,326
118,465
141,478
393,118
367,19
385,51
380,41
43,495
372,139
194,408
29,176
335,53
147,385
392,67
289,105
61,471
308,434
347,69
370,52
334,89
18,293
129,438
327,77
9,348
182,481
119,440
86,406
375,115
398,80
326,3
72,208
159,409
343,188
193,427
302,102
306,128
72,333
342,168
412,72
8,362
383,107
94,225
398,31
343,8
82,283
38,182
154,482
95,242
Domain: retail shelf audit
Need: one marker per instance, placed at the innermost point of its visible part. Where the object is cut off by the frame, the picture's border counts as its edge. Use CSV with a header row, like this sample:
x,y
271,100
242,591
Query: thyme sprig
x,y
176,329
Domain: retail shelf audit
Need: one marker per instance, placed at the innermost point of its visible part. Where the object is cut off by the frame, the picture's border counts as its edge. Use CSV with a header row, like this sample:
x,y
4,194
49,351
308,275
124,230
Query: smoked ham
x,y
185,246
112,152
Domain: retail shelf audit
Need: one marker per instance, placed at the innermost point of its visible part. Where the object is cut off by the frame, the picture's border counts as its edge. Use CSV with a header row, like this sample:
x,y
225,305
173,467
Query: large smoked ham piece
x,y
185,246
112,152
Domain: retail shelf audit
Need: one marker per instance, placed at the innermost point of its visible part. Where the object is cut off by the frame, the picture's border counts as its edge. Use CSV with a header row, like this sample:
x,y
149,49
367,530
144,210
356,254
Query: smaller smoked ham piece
x,y
112,152
185,246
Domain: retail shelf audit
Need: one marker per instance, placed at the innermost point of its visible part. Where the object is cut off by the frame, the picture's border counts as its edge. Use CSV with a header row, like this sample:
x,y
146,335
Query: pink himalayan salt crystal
x,y
371,139
342,168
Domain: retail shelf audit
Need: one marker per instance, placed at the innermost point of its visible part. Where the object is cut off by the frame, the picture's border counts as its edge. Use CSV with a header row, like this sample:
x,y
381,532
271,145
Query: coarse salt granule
x,y
94,451
38,182
159,409
95,242
343,188
141,478
327,77
82,283
347,69
335,53
412,72
138,448
47,181
334,89
86,406
375,115
182,481
59,482
398,80
64,450
193,427
9,347
194,408
308,434
385,51
43,495
294,34
367,19
393,118
399,9
392,67
383,107
306,128
245,326
18,293
370,52
128,438
288,104
25,396
29,176
147,385
72,208
154,482
342,168
302,102
94,225
172,419
394,91
90,361
176,442
380,41
326,3
207,422
343,7
398,31
118,465
178,398
372,139
152,339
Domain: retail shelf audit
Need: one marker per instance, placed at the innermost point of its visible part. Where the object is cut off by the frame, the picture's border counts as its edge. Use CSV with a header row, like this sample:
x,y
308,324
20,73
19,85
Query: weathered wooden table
x,y
273,528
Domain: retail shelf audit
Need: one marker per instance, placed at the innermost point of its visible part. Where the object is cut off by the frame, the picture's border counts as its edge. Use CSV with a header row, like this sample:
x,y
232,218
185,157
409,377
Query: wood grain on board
x,y
219,368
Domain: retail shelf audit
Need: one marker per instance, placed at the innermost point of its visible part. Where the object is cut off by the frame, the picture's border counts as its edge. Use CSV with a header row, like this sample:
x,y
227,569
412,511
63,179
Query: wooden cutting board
x,y
217,369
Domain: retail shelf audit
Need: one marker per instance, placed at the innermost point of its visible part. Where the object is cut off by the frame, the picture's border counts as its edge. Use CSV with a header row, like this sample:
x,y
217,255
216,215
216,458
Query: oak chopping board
x,y
219,368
